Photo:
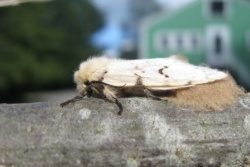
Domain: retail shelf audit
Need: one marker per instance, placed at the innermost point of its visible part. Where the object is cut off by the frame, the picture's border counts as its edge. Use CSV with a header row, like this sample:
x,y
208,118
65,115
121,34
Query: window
x,y
178,41
218,45
165,42
217,7
194,41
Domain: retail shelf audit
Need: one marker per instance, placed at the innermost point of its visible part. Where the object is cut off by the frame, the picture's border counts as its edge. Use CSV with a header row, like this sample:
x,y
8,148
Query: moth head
x,y
91,70
81,83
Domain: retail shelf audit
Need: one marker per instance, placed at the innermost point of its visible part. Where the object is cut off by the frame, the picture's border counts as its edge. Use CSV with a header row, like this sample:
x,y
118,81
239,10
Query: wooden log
x,y
148,133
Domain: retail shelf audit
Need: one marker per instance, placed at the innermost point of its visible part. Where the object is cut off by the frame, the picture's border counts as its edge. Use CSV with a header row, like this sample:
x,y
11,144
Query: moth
x,y
172,79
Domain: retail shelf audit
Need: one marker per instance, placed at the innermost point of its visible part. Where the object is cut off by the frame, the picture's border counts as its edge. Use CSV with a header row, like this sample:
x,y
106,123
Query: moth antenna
x,y
74,99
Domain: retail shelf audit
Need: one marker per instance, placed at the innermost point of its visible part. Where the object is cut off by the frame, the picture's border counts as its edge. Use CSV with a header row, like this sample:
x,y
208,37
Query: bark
x,y
148,133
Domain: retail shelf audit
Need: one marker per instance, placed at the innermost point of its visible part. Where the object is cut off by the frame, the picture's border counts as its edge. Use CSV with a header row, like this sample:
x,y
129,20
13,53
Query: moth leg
x,y
74,99
149,93
111,96
120,107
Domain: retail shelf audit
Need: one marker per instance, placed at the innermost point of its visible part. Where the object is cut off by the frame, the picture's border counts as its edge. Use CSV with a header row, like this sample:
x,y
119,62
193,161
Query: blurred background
x,y
42,42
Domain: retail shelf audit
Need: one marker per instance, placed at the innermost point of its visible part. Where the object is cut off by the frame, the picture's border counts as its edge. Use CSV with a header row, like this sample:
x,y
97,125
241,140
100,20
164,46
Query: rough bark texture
x,y
149,133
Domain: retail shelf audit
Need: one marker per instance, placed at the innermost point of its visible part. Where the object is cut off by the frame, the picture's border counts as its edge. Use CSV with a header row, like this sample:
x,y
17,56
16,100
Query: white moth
x,y
172,79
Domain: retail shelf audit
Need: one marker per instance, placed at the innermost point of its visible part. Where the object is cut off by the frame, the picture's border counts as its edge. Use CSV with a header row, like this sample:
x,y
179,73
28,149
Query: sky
x,y
116,12
173,4
113,10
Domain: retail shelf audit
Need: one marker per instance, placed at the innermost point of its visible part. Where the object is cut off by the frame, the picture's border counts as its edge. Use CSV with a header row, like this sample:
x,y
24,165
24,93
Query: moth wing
x,y
121,73
160,74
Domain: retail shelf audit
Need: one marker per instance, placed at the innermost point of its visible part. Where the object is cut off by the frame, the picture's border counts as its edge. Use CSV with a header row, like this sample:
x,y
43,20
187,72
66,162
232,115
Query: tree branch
x,y
148,133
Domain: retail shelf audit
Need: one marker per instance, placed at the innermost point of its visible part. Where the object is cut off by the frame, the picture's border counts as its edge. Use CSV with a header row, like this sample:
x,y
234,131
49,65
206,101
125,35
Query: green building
x,y
215,32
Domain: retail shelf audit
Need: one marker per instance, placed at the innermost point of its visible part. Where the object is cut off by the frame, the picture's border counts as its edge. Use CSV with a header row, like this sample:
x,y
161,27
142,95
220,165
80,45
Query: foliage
x,y
42,43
